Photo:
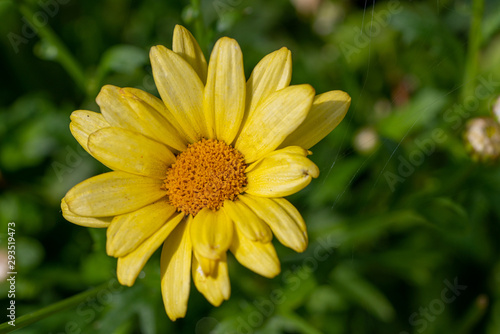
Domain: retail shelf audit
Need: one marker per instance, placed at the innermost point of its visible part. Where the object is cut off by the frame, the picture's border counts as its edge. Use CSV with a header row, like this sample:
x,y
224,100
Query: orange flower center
x,y
204,175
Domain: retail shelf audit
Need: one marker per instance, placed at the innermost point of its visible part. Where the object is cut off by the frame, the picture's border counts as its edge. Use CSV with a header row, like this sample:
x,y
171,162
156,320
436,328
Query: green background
x,y
399,213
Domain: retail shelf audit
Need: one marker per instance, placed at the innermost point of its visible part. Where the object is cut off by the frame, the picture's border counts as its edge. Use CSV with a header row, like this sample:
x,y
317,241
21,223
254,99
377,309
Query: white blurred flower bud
x,y
366,140
482,139
306,7
327,16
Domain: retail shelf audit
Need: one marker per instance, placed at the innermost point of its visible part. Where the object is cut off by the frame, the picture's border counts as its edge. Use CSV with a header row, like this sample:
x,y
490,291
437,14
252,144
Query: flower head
x,y
204,169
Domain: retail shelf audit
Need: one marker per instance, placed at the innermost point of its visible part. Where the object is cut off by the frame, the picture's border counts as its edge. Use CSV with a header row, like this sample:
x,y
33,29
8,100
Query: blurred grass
x,y
390,221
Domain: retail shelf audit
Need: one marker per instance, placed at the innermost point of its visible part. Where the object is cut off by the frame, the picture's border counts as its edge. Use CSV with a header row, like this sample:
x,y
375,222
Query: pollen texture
x,y
204,175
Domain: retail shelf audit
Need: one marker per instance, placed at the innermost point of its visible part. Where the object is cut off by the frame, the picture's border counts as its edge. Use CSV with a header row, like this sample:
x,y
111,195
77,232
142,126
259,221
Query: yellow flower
x,y
204,169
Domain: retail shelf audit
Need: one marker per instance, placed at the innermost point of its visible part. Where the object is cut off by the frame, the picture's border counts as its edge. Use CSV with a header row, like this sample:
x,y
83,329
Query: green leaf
x,y
123,59
367,229
445,213
325,299
423,108
360,291
299,285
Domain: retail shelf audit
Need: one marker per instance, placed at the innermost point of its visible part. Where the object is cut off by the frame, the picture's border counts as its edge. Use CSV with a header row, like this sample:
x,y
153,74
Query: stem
x,y
45,312
65,58
475,39
473,315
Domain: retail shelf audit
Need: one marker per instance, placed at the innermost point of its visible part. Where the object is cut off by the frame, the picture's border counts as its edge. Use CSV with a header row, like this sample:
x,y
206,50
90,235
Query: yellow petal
x,y
112,194
256,256
138,111
273,120
185,45
292,212
281,173
181,90
215,287
208,266
83,123
289,228
176,271
128,231
289,149
130,266
327,111
271,74
83,221
251,226
211,233
224,98
156,120
130,152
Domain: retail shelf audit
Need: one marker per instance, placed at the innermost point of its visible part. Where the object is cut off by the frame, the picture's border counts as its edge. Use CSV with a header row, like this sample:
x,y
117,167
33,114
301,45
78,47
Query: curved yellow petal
x,y
273,120
130,152
130,265
112,194
271,74
327,111
292,212
281,173
185,45
176,271
214,287
138,111
256,256
180,89
289,150
251,226
208,266
83,123
211,233
83,221
156,120
224,98
129,230
289,228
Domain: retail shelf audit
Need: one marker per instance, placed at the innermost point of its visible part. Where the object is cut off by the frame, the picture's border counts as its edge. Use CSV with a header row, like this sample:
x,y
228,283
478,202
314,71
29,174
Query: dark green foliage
x,y
403,230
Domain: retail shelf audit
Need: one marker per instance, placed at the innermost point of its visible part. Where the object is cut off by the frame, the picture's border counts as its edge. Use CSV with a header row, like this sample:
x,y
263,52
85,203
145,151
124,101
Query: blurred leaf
x,y
99,238
32,128
29,253
418,271
98,267
386,250
494,320
475,313
121,315
123,59
289,322
22,210
445,213
147,317
325,299
422,109
369,229
491,21
299,285
411,25
360,291
336,180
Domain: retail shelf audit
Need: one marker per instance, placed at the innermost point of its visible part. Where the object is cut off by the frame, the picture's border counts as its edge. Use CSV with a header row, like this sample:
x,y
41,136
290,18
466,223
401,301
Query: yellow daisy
x,y
203,170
